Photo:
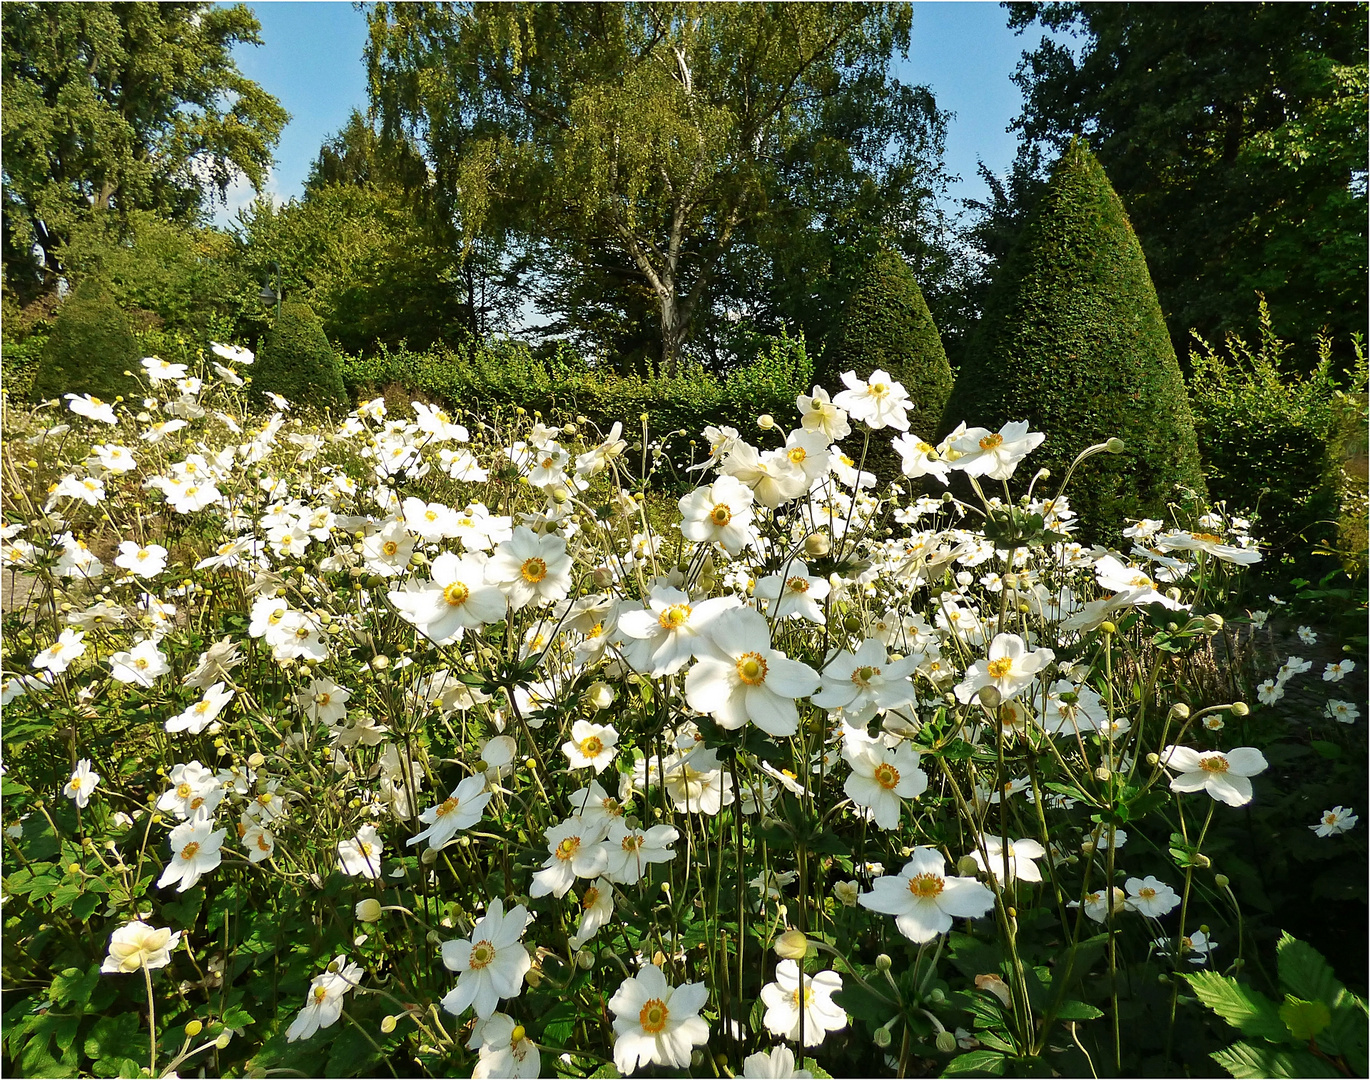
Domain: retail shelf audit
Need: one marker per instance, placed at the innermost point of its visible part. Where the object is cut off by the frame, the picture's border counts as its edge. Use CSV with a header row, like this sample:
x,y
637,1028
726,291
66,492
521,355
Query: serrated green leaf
x,y
1077,1010
1247,1061
815,1069
1250,1011
74,985
1305,974
1304,1019
115,1038
985,1062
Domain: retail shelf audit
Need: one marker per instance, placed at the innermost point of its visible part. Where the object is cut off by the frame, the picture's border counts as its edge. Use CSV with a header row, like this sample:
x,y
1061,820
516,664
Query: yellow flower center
x,y
567,848
431,515
1146,892
798,584
190,850
926,886
320,992
862,676
447,806
992,442
456,594
674,616
262,842
1207,538
720,515
592,746
322,699
482,954
886,775
534,570
590,898
1214,764
653,1016
751,669
632,842
390,547
879,389
1001,667
183,791
798,455
140,664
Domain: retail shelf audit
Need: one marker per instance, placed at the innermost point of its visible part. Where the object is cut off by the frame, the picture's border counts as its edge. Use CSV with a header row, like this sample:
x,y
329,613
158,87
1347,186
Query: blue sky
x,y
311,59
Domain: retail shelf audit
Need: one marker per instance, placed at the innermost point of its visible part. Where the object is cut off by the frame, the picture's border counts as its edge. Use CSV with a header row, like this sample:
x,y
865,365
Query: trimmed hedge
x,y
89,349
486,379
297,362
1073,341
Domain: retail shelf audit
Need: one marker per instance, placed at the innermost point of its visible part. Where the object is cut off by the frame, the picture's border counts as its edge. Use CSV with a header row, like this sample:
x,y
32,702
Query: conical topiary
x,y
90,348
297,362
886,324
1072,340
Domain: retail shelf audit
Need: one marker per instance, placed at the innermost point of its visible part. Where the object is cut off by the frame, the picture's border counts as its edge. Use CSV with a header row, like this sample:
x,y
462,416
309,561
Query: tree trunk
x,y
675,327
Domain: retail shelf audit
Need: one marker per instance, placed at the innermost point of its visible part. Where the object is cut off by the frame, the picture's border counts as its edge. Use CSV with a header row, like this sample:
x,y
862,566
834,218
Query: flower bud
x,y
368,910
1240,708
257,760
223,1040
967,867
1203,862
1153,759
388,1025
882,1037
1221,880
1103,774
883,962
1213,623
990,697
817,545
946,1041
936,995
765,421
1115,445
792,945
194,1028
585,960
1180,711
1108,627
696,1058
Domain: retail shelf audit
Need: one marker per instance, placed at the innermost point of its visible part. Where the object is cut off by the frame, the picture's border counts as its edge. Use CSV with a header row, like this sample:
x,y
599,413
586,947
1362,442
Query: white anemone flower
x,y
140,665
82,783
136,945
203,713
505,1049
919,458
719,514
457,598
458,811
234,354
491,962
575,850
324,1001
1150,896
1224,775
655,1023
782,1000
1336,821
994,453
866,682
92,408
631,851
591,746
820,415
878,402
1019,855
670,631
777,1063
530,568
794,593
596,909
58,656
746,679
923,900
881,778
1010,668
194,851
361,856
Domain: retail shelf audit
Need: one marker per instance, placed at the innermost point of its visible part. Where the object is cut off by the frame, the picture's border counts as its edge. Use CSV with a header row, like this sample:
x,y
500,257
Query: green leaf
x,y
1249,1062
1304,1019
1250,1011
74,985
605,1072
1325,748
984,1062
1304,973
1077,1010
817,1070
115,1037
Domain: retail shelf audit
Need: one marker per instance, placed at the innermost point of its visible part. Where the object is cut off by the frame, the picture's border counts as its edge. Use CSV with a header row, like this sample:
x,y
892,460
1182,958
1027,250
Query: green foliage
x,y
1269,437
297,362
122,107
497,376
886,324
1073,341
19,363
1319,1030
90,348
1236,135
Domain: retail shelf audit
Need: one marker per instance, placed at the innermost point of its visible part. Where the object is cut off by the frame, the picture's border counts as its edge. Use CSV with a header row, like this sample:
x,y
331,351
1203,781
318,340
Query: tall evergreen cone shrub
x,y
886,324
90,348
297,362
1073,341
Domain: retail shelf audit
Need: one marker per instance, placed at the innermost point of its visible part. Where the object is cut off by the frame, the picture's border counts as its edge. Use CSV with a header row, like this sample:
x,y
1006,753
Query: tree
x,y
297,362
1072,340
663,134
1235,135
90,348
122,107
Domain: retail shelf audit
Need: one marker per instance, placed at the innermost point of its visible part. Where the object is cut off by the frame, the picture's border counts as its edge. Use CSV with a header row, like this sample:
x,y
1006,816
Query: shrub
x,y
1269,437
1073,341
297,362
90,348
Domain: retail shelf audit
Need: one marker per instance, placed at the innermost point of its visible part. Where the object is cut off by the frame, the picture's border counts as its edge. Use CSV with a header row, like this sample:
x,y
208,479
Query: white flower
x,y
590,745
782,1001
58,656
631,851
324,1002
91,407
82,783
137,945
362,854
866,682
576,849
159,370
794,593
878,402
1196,947
505,1049
387,552
194,851
819,414
1009,668
194,789
994,453
924,900
694,780
778,1063
1097,903
1150,897
1344,712
143,561
203,713
458,811
1295,665
1225,776
881,778
492,962
140,665
234,354
324,701
1020,855
670,630
529,568
1336,821
1269,691
847,892
919,458
718,514
655,1023
1335,672
745,679
457,598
